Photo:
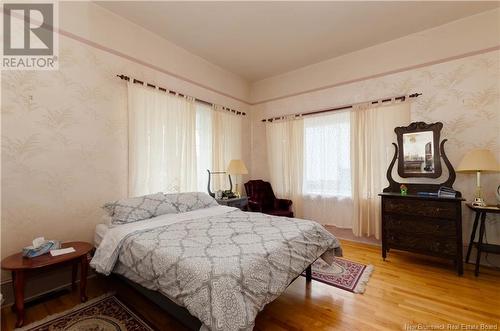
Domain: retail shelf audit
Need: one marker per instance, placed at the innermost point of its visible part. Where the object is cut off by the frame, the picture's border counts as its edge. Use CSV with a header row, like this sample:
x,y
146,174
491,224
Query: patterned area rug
x,y
344,274
104,313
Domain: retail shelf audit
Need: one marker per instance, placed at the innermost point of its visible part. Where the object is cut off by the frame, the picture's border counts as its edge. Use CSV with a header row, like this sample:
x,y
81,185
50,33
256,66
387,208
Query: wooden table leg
x,y
18,282
480,242
84,264
472,236
74,272
13,307
308,274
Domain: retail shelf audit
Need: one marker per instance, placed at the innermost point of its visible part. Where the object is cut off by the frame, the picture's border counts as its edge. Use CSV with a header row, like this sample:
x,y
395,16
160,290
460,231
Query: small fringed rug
x,y
344,274
104,313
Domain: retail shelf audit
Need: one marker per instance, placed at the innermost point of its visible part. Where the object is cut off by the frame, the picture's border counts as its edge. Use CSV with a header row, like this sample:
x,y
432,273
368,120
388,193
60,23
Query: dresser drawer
x,y
422,244
424,225
429,208
420,225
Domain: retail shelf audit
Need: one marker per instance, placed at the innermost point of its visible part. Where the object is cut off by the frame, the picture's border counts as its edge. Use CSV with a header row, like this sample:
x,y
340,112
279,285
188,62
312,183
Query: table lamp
x,y
478,160
237,167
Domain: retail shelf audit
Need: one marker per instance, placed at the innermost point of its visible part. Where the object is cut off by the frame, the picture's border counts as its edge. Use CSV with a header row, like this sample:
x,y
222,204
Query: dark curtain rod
x,y
402,98
136,81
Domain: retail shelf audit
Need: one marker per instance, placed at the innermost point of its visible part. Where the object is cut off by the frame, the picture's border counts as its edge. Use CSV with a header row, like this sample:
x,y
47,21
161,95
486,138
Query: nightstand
x,y
480,220
241,203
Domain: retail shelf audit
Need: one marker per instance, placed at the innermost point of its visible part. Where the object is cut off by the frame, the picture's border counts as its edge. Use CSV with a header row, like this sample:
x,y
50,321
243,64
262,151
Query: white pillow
x,y
184,202
147,206
138,208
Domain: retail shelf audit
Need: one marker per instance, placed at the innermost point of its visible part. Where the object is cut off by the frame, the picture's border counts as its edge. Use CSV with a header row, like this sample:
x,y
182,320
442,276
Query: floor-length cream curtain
x,y
372,132
226,145
162,141
327,171
285,148
204,115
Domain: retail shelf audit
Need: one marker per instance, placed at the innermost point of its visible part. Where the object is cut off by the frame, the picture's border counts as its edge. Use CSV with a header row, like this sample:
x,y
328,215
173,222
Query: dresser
x,y
423,224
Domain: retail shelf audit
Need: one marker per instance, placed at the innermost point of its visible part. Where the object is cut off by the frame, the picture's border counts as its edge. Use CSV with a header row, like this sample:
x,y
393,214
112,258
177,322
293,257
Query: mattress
x,y
100,231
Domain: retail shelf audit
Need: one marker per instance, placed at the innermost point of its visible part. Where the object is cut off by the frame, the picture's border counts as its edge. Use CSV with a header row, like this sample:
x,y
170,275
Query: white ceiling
x,y
257,40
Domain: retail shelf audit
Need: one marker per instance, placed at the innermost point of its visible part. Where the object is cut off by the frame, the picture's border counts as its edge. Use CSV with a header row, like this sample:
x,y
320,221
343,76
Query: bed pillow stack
x,y
135,209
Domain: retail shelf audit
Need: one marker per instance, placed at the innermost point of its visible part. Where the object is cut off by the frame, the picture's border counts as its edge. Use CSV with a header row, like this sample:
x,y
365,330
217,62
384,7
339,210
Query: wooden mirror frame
x,y
416,127
414,188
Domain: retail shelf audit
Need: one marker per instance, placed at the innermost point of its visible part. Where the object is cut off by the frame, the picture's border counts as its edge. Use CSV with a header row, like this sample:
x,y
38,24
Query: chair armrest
x,y
283,204
254,206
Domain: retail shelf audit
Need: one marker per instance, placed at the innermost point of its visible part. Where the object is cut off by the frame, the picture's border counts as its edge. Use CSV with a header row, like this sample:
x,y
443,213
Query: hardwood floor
x,y
406,289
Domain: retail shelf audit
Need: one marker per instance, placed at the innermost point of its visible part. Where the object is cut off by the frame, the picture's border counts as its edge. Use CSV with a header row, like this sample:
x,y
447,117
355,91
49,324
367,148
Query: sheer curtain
x,y
162,141
327,169
204,118
333,166
285,143
226,145
372,132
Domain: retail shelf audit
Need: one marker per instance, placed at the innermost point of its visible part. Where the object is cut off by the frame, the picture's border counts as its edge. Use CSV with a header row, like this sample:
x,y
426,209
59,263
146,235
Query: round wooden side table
x,y
21,266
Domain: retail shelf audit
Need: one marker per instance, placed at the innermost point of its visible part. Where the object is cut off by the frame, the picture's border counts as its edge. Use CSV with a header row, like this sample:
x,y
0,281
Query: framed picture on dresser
x,y
427,219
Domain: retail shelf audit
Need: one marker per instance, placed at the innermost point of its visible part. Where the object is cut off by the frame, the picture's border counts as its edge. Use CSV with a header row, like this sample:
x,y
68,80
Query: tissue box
x,y
44,248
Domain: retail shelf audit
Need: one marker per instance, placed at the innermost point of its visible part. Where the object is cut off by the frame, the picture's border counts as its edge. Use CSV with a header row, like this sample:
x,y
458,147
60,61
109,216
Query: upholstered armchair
x,y
261,198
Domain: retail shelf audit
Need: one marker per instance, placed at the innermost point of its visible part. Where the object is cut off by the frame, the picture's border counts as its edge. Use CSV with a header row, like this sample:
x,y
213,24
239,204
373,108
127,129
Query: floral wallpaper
x,y
64,143
63,147
464,94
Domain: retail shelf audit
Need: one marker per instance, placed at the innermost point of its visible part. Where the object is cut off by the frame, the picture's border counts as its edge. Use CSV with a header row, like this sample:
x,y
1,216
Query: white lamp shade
x,y
478,160
237,167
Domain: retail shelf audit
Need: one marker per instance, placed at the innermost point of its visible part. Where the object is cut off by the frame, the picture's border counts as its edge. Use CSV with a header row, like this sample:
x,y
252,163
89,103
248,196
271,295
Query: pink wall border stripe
x,y
154,67
143,63
417,66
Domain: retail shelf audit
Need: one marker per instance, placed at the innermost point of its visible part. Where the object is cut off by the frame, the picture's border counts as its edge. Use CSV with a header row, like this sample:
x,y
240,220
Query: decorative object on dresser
x,y
423,220
21,267
241,203
481,212
478,160
236,168
261,198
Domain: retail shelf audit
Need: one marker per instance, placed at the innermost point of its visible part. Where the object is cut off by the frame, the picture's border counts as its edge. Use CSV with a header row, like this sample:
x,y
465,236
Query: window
x,y
174,140
327,168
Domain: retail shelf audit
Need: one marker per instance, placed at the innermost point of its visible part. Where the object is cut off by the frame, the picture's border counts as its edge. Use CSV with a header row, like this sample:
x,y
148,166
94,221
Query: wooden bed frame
x,y
180,313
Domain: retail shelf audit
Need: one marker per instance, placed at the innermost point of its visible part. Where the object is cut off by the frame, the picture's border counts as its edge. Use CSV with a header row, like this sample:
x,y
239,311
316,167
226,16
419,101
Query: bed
x,y
221,264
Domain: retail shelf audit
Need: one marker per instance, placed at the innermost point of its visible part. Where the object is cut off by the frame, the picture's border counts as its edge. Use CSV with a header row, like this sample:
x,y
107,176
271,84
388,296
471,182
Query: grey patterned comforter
x,y
222,264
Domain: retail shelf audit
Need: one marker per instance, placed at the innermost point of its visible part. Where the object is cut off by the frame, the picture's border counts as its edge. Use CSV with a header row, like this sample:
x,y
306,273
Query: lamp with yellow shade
x,y
478,160
236,168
